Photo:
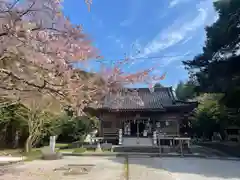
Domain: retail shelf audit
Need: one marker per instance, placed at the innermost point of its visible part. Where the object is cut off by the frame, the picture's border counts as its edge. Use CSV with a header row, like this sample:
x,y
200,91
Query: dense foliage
x,y
210,116
185,91
14,126
217,69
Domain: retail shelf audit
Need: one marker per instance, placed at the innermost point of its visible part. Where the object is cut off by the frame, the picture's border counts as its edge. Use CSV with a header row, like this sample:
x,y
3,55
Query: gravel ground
x,y
104,169
147,168
9,159
112,168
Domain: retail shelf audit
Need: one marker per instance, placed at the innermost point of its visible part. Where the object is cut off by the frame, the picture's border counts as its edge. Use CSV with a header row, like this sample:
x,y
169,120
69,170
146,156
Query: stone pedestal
x,y
120,137
154,138
98,149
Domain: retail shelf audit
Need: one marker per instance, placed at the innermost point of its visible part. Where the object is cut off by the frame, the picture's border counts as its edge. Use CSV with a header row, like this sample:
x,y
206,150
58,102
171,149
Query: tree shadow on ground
x,y
211,168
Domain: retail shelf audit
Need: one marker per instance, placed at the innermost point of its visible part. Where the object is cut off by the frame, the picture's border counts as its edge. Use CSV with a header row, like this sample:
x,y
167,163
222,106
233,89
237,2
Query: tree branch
x,y
40,87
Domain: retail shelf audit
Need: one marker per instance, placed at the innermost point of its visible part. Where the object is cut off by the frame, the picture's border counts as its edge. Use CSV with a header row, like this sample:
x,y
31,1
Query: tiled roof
x,y
140,99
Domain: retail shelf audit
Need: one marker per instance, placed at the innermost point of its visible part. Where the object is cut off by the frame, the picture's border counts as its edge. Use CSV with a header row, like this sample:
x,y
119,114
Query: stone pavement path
x,y
147,169
183,169
208,152
202,169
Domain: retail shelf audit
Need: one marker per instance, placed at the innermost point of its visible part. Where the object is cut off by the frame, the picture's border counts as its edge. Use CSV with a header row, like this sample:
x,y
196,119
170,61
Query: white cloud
x,y
174,3
174,35
187,40
169,60
172,58
216,18
180,30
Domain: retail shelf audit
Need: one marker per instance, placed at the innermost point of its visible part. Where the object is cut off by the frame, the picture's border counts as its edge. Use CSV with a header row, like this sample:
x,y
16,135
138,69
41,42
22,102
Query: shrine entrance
x,y
138,127
138,132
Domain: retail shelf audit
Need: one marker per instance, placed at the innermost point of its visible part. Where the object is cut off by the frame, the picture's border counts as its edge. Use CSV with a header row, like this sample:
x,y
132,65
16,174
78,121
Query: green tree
x,y
158,85
216,70
217,67
76,128
210,116
185,91
12,126
31,127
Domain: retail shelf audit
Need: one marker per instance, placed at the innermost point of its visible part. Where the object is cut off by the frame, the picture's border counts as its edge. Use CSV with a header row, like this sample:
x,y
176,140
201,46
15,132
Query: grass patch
x,y
11,152
86,150
79,150
61,146
33,155
66,150
74,150
106,150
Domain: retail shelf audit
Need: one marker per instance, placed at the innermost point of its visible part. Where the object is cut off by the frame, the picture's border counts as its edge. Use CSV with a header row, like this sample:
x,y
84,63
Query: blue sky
x,y
168,30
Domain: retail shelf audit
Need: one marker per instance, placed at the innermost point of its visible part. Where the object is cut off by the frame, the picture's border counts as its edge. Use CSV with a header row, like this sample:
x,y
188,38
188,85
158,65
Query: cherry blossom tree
x,y
39,48
88,3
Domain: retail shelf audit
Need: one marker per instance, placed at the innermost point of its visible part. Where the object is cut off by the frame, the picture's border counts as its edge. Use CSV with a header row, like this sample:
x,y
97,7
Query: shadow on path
x,y
190,167
230,148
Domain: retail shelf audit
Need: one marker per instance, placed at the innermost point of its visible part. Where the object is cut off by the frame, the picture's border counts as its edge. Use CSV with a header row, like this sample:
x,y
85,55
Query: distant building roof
x,y
142,99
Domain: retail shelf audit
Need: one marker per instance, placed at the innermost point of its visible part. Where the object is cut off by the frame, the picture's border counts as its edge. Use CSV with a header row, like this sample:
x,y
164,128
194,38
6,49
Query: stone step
x,y
137,149
146,149
129,141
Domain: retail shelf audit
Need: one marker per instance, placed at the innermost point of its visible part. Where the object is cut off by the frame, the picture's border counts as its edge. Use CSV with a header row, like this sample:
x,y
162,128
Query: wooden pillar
x,y
153,124
181,147
178,127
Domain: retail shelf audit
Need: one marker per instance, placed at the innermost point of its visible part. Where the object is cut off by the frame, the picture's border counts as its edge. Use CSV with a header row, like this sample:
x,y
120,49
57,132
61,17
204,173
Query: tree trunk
x,y
28,144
